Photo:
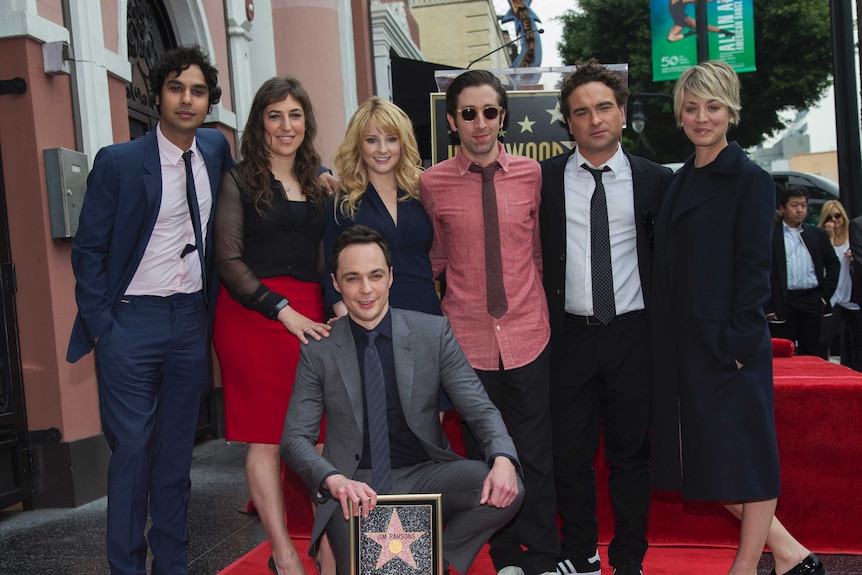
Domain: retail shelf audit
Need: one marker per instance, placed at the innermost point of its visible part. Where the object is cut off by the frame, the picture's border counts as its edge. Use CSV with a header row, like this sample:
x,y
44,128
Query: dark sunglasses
x,y
469,114
836,216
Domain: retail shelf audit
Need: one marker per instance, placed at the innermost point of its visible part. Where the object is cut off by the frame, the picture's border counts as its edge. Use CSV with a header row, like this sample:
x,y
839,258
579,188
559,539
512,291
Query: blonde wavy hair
x,y
351,168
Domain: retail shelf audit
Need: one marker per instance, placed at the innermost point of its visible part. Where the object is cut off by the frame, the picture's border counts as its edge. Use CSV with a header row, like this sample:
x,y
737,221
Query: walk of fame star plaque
x,y
402,535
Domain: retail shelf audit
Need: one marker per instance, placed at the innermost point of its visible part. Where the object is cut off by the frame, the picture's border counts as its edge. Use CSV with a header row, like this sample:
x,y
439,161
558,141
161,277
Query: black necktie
x,y
194,212
375,411
604,308
496,291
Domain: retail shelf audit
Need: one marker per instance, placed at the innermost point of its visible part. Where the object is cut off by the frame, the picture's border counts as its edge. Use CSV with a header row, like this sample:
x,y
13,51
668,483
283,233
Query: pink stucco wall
x,y
306,46
57,394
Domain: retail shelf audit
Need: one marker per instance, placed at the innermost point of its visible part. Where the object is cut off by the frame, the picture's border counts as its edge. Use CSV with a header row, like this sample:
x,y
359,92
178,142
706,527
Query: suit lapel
x,y
214,171
344,357
557,194
402,351
811,243
152,178
693,197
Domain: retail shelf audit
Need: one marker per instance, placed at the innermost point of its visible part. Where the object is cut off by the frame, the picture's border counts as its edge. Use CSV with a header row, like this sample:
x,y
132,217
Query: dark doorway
x,y
149,36
412,83
16,481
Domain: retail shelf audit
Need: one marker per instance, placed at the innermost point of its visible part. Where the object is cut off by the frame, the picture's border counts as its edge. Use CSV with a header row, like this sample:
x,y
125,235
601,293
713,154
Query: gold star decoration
x,y
395,542
556,116
526,125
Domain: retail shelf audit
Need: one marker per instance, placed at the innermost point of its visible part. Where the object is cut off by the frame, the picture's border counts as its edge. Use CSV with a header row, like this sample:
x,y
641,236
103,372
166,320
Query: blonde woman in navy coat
x,y
713,422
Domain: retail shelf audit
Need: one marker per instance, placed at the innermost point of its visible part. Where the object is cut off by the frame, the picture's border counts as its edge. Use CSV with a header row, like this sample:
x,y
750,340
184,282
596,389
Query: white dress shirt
x,y
800,266
579,186
162,272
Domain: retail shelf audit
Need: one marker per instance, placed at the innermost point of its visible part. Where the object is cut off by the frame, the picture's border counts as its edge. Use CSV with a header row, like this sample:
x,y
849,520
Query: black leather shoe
x,y
811,565
272,566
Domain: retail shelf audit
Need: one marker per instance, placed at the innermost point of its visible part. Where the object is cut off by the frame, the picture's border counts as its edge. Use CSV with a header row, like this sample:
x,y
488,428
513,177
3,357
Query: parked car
x,y
820,190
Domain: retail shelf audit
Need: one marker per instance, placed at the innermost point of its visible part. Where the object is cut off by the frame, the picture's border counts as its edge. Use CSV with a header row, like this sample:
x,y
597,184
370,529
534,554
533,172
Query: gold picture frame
x,y
402,535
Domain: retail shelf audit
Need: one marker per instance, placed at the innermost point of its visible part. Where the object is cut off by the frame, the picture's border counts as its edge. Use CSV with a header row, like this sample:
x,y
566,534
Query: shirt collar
x,y
383,328
170,151
797,229
615,162
463,162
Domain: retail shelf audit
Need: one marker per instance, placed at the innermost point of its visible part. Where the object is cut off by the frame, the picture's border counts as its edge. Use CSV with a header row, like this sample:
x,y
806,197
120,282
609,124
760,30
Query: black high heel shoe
x,y
811,565
272,566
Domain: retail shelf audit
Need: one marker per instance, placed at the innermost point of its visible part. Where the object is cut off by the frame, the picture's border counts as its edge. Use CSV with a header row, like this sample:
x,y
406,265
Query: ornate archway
x,y
149,35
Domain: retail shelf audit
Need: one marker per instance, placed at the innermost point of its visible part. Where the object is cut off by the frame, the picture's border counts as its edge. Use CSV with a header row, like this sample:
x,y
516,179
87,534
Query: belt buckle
x,y
591,320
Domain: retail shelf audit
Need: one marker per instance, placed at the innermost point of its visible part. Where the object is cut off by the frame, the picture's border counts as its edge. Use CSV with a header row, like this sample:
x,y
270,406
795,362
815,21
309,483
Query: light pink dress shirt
x,y
162,272
452,196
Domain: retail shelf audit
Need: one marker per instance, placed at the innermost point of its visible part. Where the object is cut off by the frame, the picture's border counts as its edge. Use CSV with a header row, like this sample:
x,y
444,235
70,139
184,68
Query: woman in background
x,y
268,230
845,310
378,167
713,420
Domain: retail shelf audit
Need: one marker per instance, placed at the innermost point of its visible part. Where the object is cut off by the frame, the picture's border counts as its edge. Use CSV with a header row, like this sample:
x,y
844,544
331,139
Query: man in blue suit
x,y
142,260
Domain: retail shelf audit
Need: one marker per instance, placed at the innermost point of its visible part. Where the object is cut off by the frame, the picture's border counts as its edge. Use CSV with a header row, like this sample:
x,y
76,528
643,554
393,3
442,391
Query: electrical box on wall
x,y
66,172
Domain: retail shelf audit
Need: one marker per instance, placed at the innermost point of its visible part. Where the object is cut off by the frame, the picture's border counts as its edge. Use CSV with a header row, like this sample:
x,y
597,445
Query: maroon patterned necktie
x,y
496,291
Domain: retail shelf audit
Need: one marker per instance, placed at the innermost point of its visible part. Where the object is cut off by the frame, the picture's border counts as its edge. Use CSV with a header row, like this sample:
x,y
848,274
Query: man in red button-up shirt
x,y
508,352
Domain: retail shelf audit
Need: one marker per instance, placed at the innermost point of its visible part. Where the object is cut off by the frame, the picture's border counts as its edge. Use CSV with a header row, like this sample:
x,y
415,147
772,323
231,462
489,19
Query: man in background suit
x,y
142,259
599,360
418,355
804,274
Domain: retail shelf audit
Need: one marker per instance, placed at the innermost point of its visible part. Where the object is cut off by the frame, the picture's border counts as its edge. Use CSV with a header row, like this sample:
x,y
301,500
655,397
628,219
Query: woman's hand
x,y
339,309
330,181
301,326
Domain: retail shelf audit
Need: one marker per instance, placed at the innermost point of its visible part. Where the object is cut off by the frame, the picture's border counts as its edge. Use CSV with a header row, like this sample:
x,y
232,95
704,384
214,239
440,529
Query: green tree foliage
x,y
793,55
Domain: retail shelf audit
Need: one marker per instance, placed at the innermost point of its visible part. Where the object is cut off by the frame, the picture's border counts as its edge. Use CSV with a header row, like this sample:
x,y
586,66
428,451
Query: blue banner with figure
x,y
730,25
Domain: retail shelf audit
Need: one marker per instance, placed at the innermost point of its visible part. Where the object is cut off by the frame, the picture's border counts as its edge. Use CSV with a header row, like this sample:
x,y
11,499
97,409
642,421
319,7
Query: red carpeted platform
x,y
818,416
818,410
658,561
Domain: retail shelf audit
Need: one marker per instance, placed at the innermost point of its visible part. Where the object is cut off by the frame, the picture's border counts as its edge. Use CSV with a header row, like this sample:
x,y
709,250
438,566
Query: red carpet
x,y
658,561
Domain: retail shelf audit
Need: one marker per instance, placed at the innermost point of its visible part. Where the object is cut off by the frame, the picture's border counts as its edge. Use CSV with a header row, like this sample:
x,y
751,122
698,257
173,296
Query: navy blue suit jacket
x,y
124,192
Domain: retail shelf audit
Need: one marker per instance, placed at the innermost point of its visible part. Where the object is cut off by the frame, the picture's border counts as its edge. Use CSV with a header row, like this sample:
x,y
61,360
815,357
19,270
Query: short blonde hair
x,y
351,168
712,80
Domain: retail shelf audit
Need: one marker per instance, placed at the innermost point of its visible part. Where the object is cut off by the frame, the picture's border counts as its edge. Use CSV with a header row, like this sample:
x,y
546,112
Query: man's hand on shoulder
x,y
501,485
345,490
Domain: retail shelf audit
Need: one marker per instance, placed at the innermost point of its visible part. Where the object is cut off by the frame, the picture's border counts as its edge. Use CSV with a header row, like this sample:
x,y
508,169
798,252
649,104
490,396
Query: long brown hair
x,y
254,169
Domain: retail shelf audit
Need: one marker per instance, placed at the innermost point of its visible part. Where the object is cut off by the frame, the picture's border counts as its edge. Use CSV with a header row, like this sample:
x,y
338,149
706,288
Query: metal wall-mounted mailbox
x,y
66,172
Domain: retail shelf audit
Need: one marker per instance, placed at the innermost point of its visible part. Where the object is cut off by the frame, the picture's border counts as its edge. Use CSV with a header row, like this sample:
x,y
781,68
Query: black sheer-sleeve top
x,y
283,239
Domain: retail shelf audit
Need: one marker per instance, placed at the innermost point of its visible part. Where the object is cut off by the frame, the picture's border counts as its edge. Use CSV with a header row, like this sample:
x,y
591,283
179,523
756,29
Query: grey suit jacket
x,y
427,357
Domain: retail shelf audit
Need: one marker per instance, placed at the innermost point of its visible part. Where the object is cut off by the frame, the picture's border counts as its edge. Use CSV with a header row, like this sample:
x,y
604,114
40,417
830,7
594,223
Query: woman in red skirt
x,y
268,230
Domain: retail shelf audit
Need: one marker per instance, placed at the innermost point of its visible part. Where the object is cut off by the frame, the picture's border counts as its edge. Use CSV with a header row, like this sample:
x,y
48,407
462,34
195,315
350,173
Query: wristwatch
x,y
281,305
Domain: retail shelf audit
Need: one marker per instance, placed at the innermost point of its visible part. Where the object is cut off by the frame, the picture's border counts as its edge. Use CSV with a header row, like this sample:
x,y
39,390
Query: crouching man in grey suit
x,y
417,356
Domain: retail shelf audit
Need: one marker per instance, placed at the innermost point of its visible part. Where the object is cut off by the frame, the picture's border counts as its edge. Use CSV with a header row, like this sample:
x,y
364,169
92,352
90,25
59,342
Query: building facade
x,y
73,76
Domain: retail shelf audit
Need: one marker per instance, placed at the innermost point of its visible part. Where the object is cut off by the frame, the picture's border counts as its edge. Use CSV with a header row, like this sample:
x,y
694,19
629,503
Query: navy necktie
x,y
604,307
494,288
375,411
194,212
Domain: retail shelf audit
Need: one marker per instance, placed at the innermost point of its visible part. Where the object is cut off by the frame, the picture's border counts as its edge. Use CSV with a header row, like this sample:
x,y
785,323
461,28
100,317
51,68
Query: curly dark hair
x,y
592,71
254,168
179,59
